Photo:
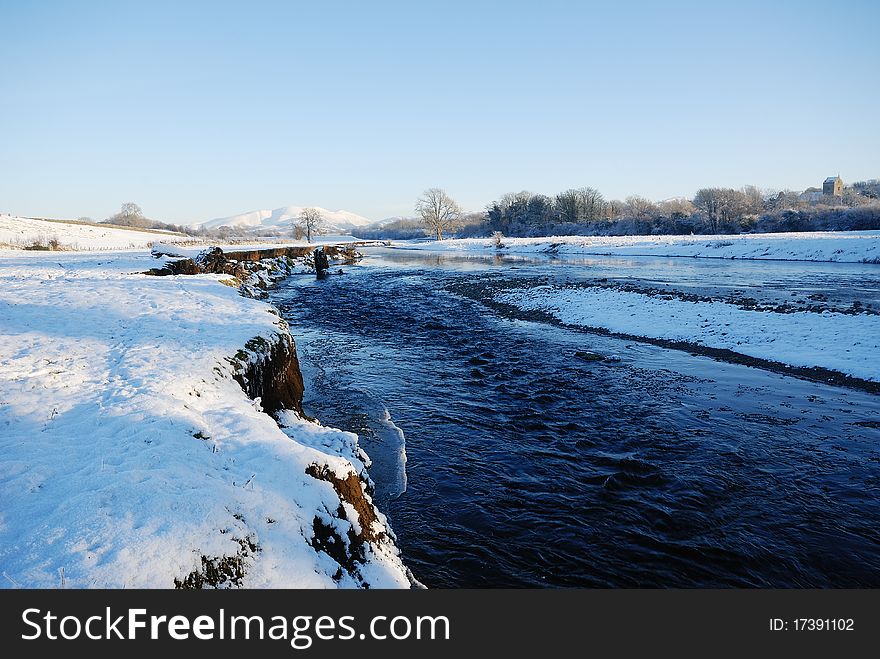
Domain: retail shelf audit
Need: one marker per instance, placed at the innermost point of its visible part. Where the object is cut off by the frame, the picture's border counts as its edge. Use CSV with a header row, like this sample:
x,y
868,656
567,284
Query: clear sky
x,y
202,109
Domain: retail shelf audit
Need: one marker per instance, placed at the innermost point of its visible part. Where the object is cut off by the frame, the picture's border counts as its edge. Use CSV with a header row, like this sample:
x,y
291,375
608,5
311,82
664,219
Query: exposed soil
x,y
217,571
350,551
274,376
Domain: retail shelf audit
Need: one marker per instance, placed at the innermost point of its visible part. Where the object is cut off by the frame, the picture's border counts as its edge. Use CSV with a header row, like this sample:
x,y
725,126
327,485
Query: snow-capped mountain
x,y
281,217
393,219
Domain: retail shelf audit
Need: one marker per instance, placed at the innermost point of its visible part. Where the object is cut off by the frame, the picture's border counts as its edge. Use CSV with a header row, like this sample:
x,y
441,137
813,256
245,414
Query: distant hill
x,y
396,219
340,220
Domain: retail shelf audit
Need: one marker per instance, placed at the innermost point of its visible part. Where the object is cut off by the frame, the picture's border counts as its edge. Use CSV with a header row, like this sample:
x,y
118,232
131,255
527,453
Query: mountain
x,y
395,218
282,217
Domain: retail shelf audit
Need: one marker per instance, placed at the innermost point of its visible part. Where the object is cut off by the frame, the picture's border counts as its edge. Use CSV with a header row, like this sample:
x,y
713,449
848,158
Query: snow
x,y
163,249
283,216
841,342
21,232
129,452
839,246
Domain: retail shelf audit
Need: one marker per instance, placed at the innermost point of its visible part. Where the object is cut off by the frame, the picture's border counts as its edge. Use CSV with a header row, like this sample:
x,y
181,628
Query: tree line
x,y
585,211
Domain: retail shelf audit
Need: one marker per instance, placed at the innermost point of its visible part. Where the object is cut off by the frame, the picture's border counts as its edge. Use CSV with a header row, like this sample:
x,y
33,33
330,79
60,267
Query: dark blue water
x,y
528,465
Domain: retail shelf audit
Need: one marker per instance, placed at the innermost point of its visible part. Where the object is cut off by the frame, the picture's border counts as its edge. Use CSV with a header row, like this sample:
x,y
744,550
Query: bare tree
x,y
709,201
581,205
129,215
131,209
309,221
639,208
677,208
613,209
722,206
568,206
736,205
438,211
594,204
754,199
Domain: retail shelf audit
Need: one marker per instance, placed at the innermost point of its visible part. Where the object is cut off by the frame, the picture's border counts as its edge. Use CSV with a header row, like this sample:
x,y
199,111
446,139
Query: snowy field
x,y
840,246
128,451
20,232
841,342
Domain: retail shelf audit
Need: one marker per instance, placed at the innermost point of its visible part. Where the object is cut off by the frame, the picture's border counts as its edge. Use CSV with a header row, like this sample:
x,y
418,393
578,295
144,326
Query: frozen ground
x,y
840,246
128,451
844,342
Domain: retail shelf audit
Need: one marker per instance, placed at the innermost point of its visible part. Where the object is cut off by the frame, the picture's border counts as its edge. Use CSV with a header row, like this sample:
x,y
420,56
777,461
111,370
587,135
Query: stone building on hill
x,y
833,186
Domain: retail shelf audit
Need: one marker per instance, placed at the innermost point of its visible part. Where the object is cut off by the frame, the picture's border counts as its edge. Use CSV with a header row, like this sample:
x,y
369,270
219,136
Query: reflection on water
x,y
529,465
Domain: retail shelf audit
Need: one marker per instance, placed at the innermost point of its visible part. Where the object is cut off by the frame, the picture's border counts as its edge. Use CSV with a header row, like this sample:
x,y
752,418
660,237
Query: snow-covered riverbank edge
x,y
830,343
132,456
834,246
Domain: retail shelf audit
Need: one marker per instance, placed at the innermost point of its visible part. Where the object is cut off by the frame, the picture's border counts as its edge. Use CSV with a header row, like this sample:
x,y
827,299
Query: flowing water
x,y
503,456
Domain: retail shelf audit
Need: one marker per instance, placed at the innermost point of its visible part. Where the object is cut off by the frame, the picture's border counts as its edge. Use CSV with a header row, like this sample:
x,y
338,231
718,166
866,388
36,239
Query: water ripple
x,y
529,465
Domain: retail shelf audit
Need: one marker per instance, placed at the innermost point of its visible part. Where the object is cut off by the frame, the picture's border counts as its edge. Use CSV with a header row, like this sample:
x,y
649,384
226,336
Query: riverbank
x,y
133,456
804,340
834,246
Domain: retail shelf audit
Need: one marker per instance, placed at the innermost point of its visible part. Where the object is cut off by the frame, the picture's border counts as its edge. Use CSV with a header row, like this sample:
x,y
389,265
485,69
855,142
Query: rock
x,y
322,263
177,267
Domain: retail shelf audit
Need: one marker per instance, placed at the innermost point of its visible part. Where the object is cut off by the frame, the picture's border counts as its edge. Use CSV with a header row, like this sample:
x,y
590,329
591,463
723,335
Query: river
x,y
506,456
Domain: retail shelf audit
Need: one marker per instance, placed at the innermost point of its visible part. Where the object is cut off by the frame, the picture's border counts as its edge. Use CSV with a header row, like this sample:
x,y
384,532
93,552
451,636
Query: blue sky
x,y
197,110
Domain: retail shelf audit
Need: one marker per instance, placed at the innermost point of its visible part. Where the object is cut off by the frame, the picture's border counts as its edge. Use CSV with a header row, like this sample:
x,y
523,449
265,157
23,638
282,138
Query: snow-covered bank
x,y
847,343
131,456
839,246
